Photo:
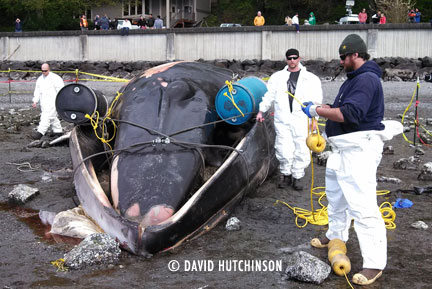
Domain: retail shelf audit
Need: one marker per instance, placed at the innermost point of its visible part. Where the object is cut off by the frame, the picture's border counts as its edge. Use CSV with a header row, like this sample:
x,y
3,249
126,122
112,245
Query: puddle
x,y
31,218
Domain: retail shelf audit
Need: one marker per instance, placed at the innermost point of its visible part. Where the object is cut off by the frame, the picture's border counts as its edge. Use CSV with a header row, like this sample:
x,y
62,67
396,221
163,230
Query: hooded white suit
x,y
45,92
291,127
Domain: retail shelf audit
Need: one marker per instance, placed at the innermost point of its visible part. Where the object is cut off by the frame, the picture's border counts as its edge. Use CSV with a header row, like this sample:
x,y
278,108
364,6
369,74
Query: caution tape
x,y
98,77
77,72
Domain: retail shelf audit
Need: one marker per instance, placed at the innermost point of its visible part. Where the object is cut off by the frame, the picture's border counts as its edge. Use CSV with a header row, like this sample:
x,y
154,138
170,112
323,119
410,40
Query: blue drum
x,y
243,100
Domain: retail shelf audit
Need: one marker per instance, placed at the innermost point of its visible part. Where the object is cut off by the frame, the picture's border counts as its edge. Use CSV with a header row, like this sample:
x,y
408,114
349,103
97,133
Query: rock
x,y
419,152
115,66
251,68
429,121
249,62
304,267
96,249
388,150
422,72
22,194
233,224
236,66
406,129
266,66
420,225
426,61
396,74
407,66
425,138
410,163
383,179
426,172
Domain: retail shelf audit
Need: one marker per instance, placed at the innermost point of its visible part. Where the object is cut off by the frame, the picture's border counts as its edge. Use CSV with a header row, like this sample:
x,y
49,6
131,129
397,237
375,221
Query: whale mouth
x,y
174,169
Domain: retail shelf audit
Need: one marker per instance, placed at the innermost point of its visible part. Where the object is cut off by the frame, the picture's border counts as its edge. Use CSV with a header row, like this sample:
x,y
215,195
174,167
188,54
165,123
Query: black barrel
x,y
76,100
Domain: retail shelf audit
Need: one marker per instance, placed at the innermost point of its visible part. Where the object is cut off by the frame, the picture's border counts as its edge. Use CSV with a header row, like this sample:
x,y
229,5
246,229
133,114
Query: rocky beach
x,y
267,231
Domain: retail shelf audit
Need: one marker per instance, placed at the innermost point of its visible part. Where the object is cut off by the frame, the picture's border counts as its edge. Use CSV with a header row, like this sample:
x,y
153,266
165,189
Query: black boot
x,y
296,183
285,181
36,135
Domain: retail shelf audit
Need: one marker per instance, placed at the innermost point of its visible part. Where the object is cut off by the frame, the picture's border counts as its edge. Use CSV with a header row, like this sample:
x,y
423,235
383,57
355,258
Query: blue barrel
x,y
246,95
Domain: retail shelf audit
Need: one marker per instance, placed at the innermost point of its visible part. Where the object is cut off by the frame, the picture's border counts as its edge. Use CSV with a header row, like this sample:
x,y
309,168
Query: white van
x,y
349,19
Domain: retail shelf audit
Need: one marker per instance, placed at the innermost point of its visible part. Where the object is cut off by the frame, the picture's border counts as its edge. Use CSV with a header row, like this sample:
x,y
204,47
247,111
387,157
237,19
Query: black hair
x,y
364,55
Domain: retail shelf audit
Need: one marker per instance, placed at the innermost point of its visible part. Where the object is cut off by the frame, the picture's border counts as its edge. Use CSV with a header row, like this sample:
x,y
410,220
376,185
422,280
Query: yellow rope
x,y
320,216
296,99
94,121
406,110
230,88
59,264
349,283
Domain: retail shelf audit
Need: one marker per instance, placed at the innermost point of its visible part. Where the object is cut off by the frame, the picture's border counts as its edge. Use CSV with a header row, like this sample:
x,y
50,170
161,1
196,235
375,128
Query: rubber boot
x,y
285,181
296,184
36,135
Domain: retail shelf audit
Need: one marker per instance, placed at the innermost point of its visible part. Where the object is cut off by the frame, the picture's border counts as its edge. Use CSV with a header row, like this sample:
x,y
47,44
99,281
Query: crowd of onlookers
x,y
105,23
378,17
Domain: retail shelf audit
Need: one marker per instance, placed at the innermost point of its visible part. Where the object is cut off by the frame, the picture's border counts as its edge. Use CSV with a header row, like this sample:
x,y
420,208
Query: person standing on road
x,y
355,134
47,87
18,25
83,23
150,21
383,19
158,24
104,22
417,16
312,20
290,122
259,19
363,16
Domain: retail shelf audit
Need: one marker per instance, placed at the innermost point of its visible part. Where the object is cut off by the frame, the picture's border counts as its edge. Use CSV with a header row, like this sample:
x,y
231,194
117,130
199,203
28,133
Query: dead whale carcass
x,y
154,144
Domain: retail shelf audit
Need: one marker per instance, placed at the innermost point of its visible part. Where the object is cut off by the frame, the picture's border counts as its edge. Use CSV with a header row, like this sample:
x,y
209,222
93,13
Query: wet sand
x,y
26,250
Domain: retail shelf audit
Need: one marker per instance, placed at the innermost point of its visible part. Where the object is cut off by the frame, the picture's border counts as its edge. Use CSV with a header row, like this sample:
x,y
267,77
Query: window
x,y
147,7
139,7
135,7
188,9
132,7
125,8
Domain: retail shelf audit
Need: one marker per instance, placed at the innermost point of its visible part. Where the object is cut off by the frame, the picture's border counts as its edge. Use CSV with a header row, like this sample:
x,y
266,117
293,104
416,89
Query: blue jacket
x,y
361,101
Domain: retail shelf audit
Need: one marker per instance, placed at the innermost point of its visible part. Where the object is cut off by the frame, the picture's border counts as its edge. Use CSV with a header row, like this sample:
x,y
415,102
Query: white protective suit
x,y
291,128
45,92
351,190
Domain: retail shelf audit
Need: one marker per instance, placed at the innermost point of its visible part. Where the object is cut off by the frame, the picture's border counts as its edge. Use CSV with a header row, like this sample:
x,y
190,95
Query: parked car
x,y
349,19
230,25
120,23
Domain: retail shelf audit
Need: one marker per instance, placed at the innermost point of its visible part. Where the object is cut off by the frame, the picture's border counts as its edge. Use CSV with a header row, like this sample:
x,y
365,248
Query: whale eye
x,y
179,90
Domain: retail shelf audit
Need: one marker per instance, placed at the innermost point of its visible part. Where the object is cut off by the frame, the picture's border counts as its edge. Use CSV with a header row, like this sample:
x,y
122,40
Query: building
x,y
175,13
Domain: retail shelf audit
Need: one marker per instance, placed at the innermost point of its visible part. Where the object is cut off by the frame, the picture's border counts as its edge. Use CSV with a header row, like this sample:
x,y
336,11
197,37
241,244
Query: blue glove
x,y
307,108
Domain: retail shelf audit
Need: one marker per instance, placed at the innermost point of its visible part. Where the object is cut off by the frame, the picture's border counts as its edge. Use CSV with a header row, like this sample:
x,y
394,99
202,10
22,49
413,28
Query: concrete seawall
x,y
233,43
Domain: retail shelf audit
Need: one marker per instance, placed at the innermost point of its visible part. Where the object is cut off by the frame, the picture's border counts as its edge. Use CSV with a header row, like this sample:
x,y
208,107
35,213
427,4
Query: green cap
x,y
352,44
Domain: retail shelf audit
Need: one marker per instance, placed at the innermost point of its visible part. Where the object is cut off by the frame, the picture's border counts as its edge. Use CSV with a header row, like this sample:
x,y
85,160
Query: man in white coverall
x,y
355,132
291,124
47,87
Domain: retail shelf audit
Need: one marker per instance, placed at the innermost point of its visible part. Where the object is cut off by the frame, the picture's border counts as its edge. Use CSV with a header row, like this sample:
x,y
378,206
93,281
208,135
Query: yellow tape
x,y
105,78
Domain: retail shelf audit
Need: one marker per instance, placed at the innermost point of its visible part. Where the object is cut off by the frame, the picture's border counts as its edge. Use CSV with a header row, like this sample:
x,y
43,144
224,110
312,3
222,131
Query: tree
x,y
45,14
396,11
